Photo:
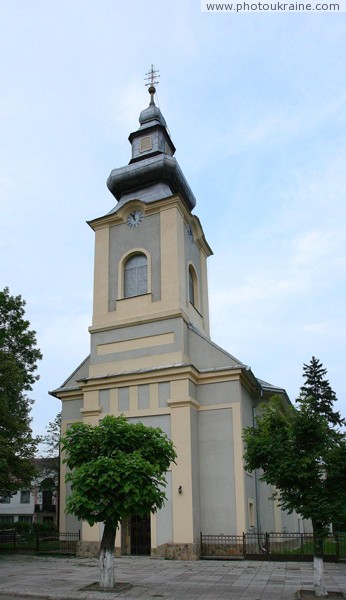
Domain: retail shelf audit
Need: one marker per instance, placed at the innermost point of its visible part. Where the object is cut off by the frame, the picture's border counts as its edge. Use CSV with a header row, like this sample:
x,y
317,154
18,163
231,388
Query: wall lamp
x,y
180,489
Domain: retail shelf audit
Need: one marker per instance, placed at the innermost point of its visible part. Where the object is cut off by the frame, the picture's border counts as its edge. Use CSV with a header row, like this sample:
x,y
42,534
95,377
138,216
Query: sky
x,y
256,107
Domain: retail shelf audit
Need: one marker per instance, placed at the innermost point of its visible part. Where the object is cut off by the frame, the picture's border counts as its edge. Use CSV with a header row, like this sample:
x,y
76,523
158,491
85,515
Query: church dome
x,y
151,116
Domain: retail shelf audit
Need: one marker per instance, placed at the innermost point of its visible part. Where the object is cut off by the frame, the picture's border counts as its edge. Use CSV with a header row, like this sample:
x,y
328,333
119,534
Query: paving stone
x,y
62,579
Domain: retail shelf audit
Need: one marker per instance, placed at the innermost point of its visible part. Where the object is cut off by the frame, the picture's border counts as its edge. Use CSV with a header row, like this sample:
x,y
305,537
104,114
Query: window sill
x,y
132,297
196,309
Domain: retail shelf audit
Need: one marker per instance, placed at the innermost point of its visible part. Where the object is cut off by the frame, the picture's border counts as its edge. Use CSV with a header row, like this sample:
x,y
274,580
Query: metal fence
x,y
222,546
272,546
38,542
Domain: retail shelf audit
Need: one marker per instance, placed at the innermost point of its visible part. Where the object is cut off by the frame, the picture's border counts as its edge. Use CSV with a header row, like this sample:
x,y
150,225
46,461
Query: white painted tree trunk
x,y
106,568
107,556
319,587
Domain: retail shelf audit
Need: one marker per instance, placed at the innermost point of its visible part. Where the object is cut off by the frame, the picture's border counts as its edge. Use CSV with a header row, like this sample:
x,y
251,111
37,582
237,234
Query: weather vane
x,y
152,77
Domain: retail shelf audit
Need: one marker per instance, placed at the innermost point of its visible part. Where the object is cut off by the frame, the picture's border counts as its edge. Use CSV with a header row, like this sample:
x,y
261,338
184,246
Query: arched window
x,y
193,287
135,276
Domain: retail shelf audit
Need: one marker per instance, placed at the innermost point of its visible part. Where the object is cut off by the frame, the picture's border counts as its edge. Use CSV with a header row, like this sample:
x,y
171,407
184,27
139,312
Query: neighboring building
x,y
35,505
152,358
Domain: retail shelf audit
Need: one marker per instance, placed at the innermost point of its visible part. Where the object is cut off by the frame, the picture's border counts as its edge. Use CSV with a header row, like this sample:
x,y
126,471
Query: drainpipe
x,y
257,495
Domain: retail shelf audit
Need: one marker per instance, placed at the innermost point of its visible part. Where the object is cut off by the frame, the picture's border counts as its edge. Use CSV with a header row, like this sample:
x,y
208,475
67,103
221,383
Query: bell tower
x,y
152,359
150,252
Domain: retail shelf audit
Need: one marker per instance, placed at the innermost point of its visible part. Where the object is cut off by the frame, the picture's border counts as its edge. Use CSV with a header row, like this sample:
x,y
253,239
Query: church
x,y
152,359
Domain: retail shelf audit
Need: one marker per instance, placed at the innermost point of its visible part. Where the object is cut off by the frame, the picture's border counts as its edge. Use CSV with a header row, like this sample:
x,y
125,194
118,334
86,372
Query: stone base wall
x,y
178,551
88,549
168,551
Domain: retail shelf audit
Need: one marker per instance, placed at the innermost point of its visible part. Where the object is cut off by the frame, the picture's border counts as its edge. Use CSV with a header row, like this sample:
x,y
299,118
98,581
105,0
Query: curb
x,y
36,596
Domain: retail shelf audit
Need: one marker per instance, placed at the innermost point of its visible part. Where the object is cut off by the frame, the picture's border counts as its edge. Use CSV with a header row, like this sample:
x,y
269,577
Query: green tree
x,y
18,363
117,470
302,454
48,465
317,395
51,449
52,437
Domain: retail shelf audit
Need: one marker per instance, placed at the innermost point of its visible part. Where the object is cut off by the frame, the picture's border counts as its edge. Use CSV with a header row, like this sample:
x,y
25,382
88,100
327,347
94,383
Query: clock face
x,y
135,218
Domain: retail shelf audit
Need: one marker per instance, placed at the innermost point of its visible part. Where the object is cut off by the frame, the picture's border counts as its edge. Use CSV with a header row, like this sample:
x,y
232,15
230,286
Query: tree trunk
x,y
107,556
319,587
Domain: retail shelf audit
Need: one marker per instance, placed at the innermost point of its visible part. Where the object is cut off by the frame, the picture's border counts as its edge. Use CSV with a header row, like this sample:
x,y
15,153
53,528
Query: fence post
x,y
301,545
14,539
337,541
267,545
200,537
244,544
37,540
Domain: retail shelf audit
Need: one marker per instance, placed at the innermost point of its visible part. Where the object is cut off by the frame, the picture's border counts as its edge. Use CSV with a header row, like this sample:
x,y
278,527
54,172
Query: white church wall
x,y
217,481
124,239
206,355
71,409
224,392
267,513
161,421
195,473
164,523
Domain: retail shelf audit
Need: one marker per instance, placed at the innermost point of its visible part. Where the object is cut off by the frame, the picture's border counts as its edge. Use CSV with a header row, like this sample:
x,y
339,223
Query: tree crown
x,y
316,393
301,453
18,362
117,469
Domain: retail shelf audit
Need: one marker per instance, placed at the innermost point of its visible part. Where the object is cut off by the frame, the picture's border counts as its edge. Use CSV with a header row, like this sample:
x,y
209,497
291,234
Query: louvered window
x,y
146,143
135,276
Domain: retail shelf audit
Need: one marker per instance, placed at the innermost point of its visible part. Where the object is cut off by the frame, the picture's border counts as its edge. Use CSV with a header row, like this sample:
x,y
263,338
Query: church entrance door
x,y
136,536
140,535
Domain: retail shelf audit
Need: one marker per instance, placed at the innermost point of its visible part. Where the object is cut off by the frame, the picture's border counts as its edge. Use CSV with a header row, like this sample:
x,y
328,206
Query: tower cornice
x,y
119,216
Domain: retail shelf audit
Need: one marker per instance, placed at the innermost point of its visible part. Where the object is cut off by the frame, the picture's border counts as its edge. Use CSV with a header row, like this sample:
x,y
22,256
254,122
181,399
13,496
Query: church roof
x,y
270,387
152,166
151,116
127,183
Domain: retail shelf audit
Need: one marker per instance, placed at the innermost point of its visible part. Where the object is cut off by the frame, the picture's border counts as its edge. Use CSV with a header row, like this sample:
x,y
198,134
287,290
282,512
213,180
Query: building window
x,y
5,499
25,497
47,501
193,288
7,519
251,513
25,519
48,520
135,276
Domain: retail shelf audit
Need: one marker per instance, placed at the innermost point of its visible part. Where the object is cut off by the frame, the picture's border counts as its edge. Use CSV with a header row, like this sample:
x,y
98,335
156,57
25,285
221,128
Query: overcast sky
x,y
255,104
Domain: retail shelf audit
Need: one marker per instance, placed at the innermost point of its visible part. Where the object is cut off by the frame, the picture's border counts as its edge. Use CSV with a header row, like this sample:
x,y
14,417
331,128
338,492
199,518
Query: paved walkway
x,y
67,578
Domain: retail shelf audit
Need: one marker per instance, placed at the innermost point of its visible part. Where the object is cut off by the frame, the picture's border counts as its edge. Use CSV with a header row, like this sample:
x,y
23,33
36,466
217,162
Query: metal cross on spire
x,y
152,77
